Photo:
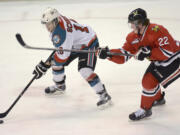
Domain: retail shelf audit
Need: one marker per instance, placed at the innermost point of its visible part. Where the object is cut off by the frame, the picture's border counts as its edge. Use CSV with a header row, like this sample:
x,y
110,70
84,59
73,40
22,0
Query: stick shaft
x,y
2,115
22,43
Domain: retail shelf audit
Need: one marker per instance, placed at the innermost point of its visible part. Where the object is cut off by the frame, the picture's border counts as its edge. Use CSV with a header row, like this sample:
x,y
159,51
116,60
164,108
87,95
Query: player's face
x,y
136,27
50,26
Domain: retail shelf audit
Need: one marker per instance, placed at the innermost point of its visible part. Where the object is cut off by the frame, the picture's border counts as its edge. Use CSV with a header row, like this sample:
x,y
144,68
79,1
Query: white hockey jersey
x,y
69,34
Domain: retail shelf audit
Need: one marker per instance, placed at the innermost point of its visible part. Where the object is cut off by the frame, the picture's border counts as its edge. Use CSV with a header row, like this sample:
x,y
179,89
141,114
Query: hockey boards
x,y
23,44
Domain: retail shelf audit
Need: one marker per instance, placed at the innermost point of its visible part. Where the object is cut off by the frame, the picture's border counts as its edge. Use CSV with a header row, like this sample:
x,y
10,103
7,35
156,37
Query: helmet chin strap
x,y
54,23
138,29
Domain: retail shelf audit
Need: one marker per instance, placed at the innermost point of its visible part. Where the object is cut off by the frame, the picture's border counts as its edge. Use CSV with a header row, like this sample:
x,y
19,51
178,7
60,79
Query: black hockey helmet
x,y
137,16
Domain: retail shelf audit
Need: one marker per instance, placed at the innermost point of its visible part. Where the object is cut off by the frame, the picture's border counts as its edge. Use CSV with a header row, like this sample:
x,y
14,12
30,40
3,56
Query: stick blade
x,y
2,115
20,40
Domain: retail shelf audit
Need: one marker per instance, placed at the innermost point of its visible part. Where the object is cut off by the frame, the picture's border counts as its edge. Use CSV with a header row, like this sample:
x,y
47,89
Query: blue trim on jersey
x,y
74,53
59,64
58,72
94,82
94,43
58,33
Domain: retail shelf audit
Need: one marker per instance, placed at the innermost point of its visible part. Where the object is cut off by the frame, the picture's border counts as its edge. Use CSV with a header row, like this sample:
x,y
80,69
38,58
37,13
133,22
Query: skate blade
x,y
55,94
155,104
139,120
106,105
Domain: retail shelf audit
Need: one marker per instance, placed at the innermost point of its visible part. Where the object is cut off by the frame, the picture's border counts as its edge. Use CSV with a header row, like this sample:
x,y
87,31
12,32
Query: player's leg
x,y
151,95
167,71
86,66
163,73
59,77
95,82
59,80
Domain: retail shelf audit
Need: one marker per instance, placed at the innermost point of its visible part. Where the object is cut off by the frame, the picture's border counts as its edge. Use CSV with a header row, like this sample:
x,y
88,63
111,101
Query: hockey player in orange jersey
x,y
154,42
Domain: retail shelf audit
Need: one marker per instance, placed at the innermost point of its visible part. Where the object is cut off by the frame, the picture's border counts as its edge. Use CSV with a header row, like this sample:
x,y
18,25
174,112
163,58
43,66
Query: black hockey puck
x,y
1,121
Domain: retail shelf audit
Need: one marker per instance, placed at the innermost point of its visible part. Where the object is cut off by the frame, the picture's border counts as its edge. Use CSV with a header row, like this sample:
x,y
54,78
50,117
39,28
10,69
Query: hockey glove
x,y
41,69
103,53
144,52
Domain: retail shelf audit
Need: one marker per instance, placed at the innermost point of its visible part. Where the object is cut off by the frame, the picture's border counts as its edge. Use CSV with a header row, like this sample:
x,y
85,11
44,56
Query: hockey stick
x,y
2,115
22,43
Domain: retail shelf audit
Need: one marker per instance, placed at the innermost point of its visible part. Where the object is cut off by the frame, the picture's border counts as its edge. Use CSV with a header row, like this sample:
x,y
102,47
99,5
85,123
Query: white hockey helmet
x,y
49,15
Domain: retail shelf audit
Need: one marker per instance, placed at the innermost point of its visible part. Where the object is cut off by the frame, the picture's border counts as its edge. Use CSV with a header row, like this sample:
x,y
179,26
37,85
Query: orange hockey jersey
x,y
156,37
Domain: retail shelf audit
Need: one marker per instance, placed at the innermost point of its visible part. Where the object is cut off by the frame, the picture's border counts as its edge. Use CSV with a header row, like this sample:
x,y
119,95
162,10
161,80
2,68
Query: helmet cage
x,y
49,15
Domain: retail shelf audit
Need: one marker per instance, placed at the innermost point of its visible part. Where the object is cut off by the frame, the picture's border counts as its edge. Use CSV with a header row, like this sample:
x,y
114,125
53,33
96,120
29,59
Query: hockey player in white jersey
x,y
68,34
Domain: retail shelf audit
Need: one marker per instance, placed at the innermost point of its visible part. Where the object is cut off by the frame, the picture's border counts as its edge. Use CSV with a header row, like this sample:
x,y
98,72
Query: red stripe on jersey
x,y
91,77
61,23
177,72
57,59
88,59
90,42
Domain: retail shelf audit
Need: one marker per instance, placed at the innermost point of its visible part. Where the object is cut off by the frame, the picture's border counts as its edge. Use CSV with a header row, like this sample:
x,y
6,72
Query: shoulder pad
x,y
58,36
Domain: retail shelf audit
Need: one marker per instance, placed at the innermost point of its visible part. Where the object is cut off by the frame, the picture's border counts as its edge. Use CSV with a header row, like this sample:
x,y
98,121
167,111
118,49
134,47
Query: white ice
x,y
76,112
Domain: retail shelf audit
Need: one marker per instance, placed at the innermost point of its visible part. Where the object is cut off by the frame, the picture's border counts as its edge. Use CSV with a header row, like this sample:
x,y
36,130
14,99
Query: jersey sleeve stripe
x,y
125,52
61,23
151,93
165,52
91,42
91,77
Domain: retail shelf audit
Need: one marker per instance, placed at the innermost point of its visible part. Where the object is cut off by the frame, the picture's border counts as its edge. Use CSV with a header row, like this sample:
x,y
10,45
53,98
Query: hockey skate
x,y
140,114
105,99
161,101
55,90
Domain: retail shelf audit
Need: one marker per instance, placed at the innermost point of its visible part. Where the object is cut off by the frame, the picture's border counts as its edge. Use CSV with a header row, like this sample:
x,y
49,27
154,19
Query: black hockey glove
x,y
41,69
144,52
103,53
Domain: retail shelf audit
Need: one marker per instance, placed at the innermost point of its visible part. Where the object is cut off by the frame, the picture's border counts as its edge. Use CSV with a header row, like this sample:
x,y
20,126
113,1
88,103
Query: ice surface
x,y
76,112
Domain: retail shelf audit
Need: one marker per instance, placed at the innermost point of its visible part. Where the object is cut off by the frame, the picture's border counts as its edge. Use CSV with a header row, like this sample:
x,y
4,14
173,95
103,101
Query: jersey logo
x,y
56,39
135,41
156,28
135,13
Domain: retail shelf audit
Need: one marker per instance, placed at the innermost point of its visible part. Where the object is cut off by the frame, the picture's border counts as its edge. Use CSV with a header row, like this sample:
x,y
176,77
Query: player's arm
x,y
126,49
104,53
117,58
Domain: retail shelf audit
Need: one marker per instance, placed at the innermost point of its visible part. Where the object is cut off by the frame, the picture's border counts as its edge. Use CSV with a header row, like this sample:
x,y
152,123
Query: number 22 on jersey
x,y
163,41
